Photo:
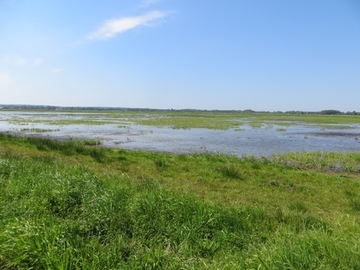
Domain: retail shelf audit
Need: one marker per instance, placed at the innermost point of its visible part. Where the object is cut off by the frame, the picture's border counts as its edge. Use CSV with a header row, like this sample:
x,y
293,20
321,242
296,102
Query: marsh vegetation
x,y
76,205
72,203
236,133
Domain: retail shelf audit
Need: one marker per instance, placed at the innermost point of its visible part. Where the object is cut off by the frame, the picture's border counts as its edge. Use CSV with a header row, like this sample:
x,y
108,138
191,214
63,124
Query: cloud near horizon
x,y
20,61
38,62
57,70
116,26
5,79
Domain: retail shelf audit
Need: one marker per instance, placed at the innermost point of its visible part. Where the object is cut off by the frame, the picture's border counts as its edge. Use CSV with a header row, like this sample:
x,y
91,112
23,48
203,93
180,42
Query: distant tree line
x,y
74,108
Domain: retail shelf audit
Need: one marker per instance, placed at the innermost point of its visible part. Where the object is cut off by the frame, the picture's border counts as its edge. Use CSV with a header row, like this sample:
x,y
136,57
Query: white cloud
x,y
20,61
38,62
76,43
5,79
113,27
57,70
146,3
5,58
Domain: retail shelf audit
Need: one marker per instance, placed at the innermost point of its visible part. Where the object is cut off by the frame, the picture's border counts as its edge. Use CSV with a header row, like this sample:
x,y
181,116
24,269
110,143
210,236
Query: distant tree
x,y
248,111
352,113
330,112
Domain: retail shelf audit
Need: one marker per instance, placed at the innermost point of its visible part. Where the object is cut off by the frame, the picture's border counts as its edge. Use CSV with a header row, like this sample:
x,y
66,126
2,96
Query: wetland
x,y
215,191
178,132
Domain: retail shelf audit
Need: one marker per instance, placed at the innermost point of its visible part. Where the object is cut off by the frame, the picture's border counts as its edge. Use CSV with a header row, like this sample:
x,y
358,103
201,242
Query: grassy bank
x,y
75,205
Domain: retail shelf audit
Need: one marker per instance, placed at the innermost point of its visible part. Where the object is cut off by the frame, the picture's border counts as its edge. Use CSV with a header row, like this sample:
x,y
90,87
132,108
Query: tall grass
x,y
131,211
326,161
69,147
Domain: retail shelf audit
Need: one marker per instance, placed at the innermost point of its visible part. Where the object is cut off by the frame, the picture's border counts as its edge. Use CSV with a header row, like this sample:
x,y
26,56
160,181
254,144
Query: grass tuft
x,y
230,171
99,154
161,163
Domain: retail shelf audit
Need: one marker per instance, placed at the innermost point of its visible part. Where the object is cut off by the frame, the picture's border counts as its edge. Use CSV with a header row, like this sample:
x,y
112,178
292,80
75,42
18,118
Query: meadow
x,y
76,205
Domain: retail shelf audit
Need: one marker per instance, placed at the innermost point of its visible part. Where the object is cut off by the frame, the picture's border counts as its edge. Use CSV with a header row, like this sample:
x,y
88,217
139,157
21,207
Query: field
x,y
76,205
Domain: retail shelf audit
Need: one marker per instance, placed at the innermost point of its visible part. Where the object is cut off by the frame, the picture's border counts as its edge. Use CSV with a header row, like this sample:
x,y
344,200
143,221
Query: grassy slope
x,y
68,205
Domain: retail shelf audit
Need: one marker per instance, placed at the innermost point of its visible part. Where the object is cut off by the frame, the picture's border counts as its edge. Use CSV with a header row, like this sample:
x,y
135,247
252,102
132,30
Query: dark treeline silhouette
x,y
99,108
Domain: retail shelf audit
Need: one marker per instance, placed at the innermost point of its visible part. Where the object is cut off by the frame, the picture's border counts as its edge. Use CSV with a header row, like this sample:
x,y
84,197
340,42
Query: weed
x,y
99,154
161,163
92,142
230,171
297,206
39,130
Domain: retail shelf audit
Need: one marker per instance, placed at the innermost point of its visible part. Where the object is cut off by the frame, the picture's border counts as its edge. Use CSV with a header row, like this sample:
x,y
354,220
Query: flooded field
x,y
158,132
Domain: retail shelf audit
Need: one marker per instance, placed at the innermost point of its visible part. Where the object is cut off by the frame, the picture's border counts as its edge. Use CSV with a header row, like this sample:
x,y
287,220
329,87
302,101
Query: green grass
x,y
337,126
71,205
225,120
187,121
324,161
192,119
39,130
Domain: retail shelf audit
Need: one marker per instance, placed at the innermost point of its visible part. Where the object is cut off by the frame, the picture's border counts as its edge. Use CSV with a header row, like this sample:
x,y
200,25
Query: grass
x,y
226,120
230,171
329,126
324,161
39,130
71,205
92,142
187,121
190,119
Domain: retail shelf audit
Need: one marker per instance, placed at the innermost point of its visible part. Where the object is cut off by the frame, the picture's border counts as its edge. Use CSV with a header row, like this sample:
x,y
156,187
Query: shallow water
x,y
268,139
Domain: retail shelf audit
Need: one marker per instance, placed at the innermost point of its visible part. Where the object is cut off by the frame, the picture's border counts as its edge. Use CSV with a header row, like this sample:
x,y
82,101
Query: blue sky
x,y
238,54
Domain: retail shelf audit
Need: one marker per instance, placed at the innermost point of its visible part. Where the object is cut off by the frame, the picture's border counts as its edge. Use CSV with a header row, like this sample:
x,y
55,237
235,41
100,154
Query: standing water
x,y
265,140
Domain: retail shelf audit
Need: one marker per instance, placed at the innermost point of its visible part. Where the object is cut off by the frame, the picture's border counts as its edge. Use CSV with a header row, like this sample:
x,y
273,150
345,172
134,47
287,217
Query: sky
x,y
264,55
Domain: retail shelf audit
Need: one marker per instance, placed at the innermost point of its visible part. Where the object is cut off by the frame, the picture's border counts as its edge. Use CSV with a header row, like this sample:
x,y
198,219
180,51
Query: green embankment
x,y
75,205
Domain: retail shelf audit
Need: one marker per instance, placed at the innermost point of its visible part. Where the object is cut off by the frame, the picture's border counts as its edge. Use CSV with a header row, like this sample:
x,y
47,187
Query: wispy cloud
x,y
146,3
5,58
57,70
116,26
20,61
77,43
5,79
38,62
